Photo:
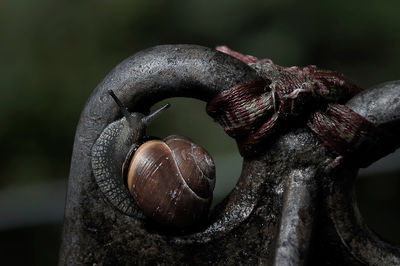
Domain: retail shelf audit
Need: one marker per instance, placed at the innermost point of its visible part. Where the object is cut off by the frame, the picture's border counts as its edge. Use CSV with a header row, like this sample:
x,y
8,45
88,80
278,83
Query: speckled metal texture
x,y
293,205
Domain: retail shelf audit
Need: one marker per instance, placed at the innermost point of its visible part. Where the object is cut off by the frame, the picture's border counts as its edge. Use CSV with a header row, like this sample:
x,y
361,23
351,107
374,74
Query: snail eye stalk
x,y
148,119
124,110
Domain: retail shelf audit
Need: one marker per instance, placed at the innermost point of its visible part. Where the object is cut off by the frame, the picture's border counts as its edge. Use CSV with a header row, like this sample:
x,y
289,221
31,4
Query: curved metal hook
x,y
140,81
381,106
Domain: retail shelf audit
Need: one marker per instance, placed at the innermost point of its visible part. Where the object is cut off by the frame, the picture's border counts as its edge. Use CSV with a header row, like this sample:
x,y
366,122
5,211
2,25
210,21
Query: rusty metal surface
x,y
291,206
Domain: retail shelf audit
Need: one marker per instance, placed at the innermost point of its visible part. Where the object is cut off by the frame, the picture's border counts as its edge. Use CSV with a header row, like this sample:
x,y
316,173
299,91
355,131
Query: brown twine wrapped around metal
x,y
254,111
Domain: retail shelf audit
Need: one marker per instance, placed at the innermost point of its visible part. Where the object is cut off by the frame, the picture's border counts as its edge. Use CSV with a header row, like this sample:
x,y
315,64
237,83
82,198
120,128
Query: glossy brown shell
x,y
172,181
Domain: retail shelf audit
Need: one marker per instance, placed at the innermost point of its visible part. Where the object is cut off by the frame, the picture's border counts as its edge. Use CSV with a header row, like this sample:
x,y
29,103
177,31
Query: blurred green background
x,y
54,53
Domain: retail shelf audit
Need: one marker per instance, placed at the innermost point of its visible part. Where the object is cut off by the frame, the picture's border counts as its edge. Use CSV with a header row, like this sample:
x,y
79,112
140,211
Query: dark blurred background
x,y
54,53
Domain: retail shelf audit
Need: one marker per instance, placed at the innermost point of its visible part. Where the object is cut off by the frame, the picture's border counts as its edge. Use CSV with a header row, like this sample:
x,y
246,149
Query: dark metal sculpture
x,y
293,204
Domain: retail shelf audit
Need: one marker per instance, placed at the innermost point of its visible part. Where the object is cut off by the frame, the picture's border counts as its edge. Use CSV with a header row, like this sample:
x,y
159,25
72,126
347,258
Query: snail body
x,y
170,181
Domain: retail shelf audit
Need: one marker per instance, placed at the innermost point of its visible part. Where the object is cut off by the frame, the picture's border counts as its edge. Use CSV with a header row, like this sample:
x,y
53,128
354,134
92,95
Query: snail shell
x,y
172,181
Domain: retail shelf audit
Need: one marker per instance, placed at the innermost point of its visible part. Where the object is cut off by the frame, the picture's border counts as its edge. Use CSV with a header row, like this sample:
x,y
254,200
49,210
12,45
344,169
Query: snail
x,y
170,180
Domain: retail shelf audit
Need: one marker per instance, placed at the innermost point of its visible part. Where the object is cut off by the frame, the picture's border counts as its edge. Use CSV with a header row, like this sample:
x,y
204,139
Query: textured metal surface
x,y
291,205
380,104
